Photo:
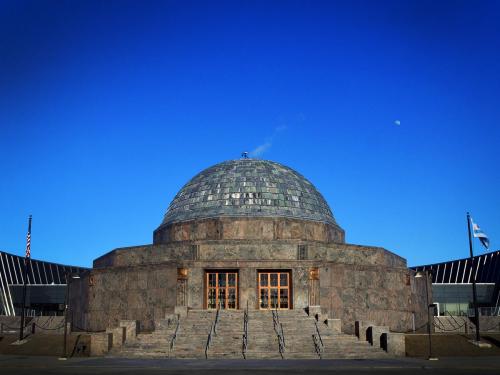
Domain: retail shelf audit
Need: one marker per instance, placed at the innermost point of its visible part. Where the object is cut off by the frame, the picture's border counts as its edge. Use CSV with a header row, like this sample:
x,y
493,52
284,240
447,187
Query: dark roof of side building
x,y
39,272
460,271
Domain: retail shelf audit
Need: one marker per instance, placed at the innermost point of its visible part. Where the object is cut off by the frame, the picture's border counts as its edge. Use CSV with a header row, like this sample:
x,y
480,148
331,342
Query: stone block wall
x,y
355,282
241,228
381,295
130,293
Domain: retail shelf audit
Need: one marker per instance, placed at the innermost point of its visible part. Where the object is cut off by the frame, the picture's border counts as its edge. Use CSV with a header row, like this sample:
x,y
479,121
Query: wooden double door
x,y
274,290
222,290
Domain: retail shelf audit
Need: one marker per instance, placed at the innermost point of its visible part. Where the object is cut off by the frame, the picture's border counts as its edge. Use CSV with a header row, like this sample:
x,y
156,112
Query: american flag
x,y
28,241
28,245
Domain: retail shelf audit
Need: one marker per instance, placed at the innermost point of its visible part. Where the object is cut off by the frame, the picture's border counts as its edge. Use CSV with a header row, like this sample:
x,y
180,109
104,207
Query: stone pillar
x,y
118,336
181,289
396,344
377,332
360,328
335,325
131,328
314,287
100,343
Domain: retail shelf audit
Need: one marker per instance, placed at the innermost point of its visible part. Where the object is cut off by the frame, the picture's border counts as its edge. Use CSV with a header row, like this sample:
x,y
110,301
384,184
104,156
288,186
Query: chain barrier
x,y
16,328
80,329
48,321
452,317
411,330
49,329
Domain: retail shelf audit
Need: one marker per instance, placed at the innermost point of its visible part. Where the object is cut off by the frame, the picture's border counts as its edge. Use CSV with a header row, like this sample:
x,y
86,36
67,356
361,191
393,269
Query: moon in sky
x,y
397,122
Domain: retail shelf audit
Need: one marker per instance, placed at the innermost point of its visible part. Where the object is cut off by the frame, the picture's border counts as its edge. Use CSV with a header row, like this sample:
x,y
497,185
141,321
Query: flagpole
x,y
474,293
26,260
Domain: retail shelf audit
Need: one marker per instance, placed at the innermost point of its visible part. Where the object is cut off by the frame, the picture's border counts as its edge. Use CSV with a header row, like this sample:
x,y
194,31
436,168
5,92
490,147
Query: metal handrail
x,y
209,340
245,333
216,320
174,337
317,347
278,328
318,341
213,331
318,333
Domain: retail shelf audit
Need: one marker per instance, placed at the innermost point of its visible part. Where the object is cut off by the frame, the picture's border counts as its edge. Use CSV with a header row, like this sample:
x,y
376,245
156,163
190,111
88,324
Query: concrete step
x,y
193,331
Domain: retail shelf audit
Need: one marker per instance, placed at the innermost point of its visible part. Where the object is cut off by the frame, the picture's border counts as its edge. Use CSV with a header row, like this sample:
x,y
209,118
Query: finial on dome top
x,y
244,154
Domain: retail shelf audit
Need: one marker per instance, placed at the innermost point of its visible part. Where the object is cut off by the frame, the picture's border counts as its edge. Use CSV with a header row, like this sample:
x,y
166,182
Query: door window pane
x,y
283,279
283,298
212,279
274,298
222,298
222,279
263,279
264,299
274,279
231,279
211,299
231,303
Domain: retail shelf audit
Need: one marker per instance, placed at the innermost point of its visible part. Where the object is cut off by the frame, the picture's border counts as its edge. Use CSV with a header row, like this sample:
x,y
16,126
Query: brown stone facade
x,y
241,228
349,282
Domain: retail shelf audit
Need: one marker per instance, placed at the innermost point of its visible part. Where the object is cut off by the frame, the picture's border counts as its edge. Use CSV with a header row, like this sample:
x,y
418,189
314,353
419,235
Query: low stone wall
x,y
100,344
380,336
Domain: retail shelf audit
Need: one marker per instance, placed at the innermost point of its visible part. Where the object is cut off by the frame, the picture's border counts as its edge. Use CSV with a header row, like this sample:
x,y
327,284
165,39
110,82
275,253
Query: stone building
x,y
250,233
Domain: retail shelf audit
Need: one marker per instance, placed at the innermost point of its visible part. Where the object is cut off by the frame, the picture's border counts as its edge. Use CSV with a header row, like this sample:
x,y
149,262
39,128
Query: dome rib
x,y
248,188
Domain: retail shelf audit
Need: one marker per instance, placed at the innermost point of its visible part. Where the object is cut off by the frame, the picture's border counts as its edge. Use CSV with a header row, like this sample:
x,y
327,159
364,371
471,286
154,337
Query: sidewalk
x,y
51,365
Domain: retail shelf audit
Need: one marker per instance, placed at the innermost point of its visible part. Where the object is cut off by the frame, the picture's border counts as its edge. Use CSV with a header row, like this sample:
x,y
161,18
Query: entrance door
x,y
222,289
274,290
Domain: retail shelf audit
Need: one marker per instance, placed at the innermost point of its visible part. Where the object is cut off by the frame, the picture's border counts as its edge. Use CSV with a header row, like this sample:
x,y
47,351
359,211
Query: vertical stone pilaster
x,y
314,296
181,289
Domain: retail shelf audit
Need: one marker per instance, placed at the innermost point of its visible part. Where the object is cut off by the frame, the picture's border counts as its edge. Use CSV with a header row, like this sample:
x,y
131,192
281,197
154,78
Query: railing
x,y
174,337
212,332
318,341
485,311
245,333
278,328
317,346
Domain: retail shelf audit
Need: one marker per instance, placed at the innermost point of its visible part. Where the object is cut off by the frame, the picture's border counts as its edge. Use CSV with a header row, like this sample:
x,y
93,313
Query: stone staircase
x,y
342,346
227,342
262,339
193,333
148,345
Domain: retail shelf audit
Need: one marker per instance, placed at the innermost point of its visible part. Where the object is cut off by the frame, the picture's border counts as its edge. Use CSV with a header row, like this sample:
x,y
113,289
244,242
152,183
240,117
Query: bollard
x,y
32,328
1,328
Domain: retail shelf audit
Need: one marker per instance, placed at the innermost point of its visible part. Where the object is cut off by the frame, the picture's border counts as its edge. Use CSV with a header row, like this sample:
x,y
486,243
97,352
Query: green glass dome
x,y
248,188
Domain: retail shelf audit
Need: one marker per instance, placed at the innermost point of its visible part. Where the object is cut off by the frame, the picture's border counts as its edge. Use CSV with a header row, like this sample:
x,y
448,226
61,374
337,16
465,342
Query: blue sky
x,y
107,108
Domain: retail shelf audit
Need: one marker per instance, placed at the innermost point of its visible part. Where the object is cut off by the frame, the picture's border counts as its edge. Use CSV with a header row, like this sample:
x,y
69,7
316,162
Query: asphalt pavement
x,y
51,365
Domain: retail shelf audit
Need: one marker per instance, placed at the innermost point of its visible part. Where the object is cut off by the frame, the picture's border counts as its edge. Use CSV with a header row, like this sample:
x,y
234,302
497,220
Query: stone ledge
x,y
395,343
131,329
335,325
100,344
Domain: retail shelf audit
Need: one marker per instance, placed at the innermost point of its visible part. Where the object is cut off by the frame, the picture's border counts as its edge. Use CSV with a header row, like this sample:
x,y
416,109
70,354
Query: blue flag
x,y
478,233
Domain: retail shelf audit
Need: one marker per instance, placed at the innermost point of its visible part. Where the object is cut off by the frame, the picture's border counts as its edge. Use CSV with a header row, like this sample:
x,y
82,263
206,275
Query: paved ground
x,y
51,365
